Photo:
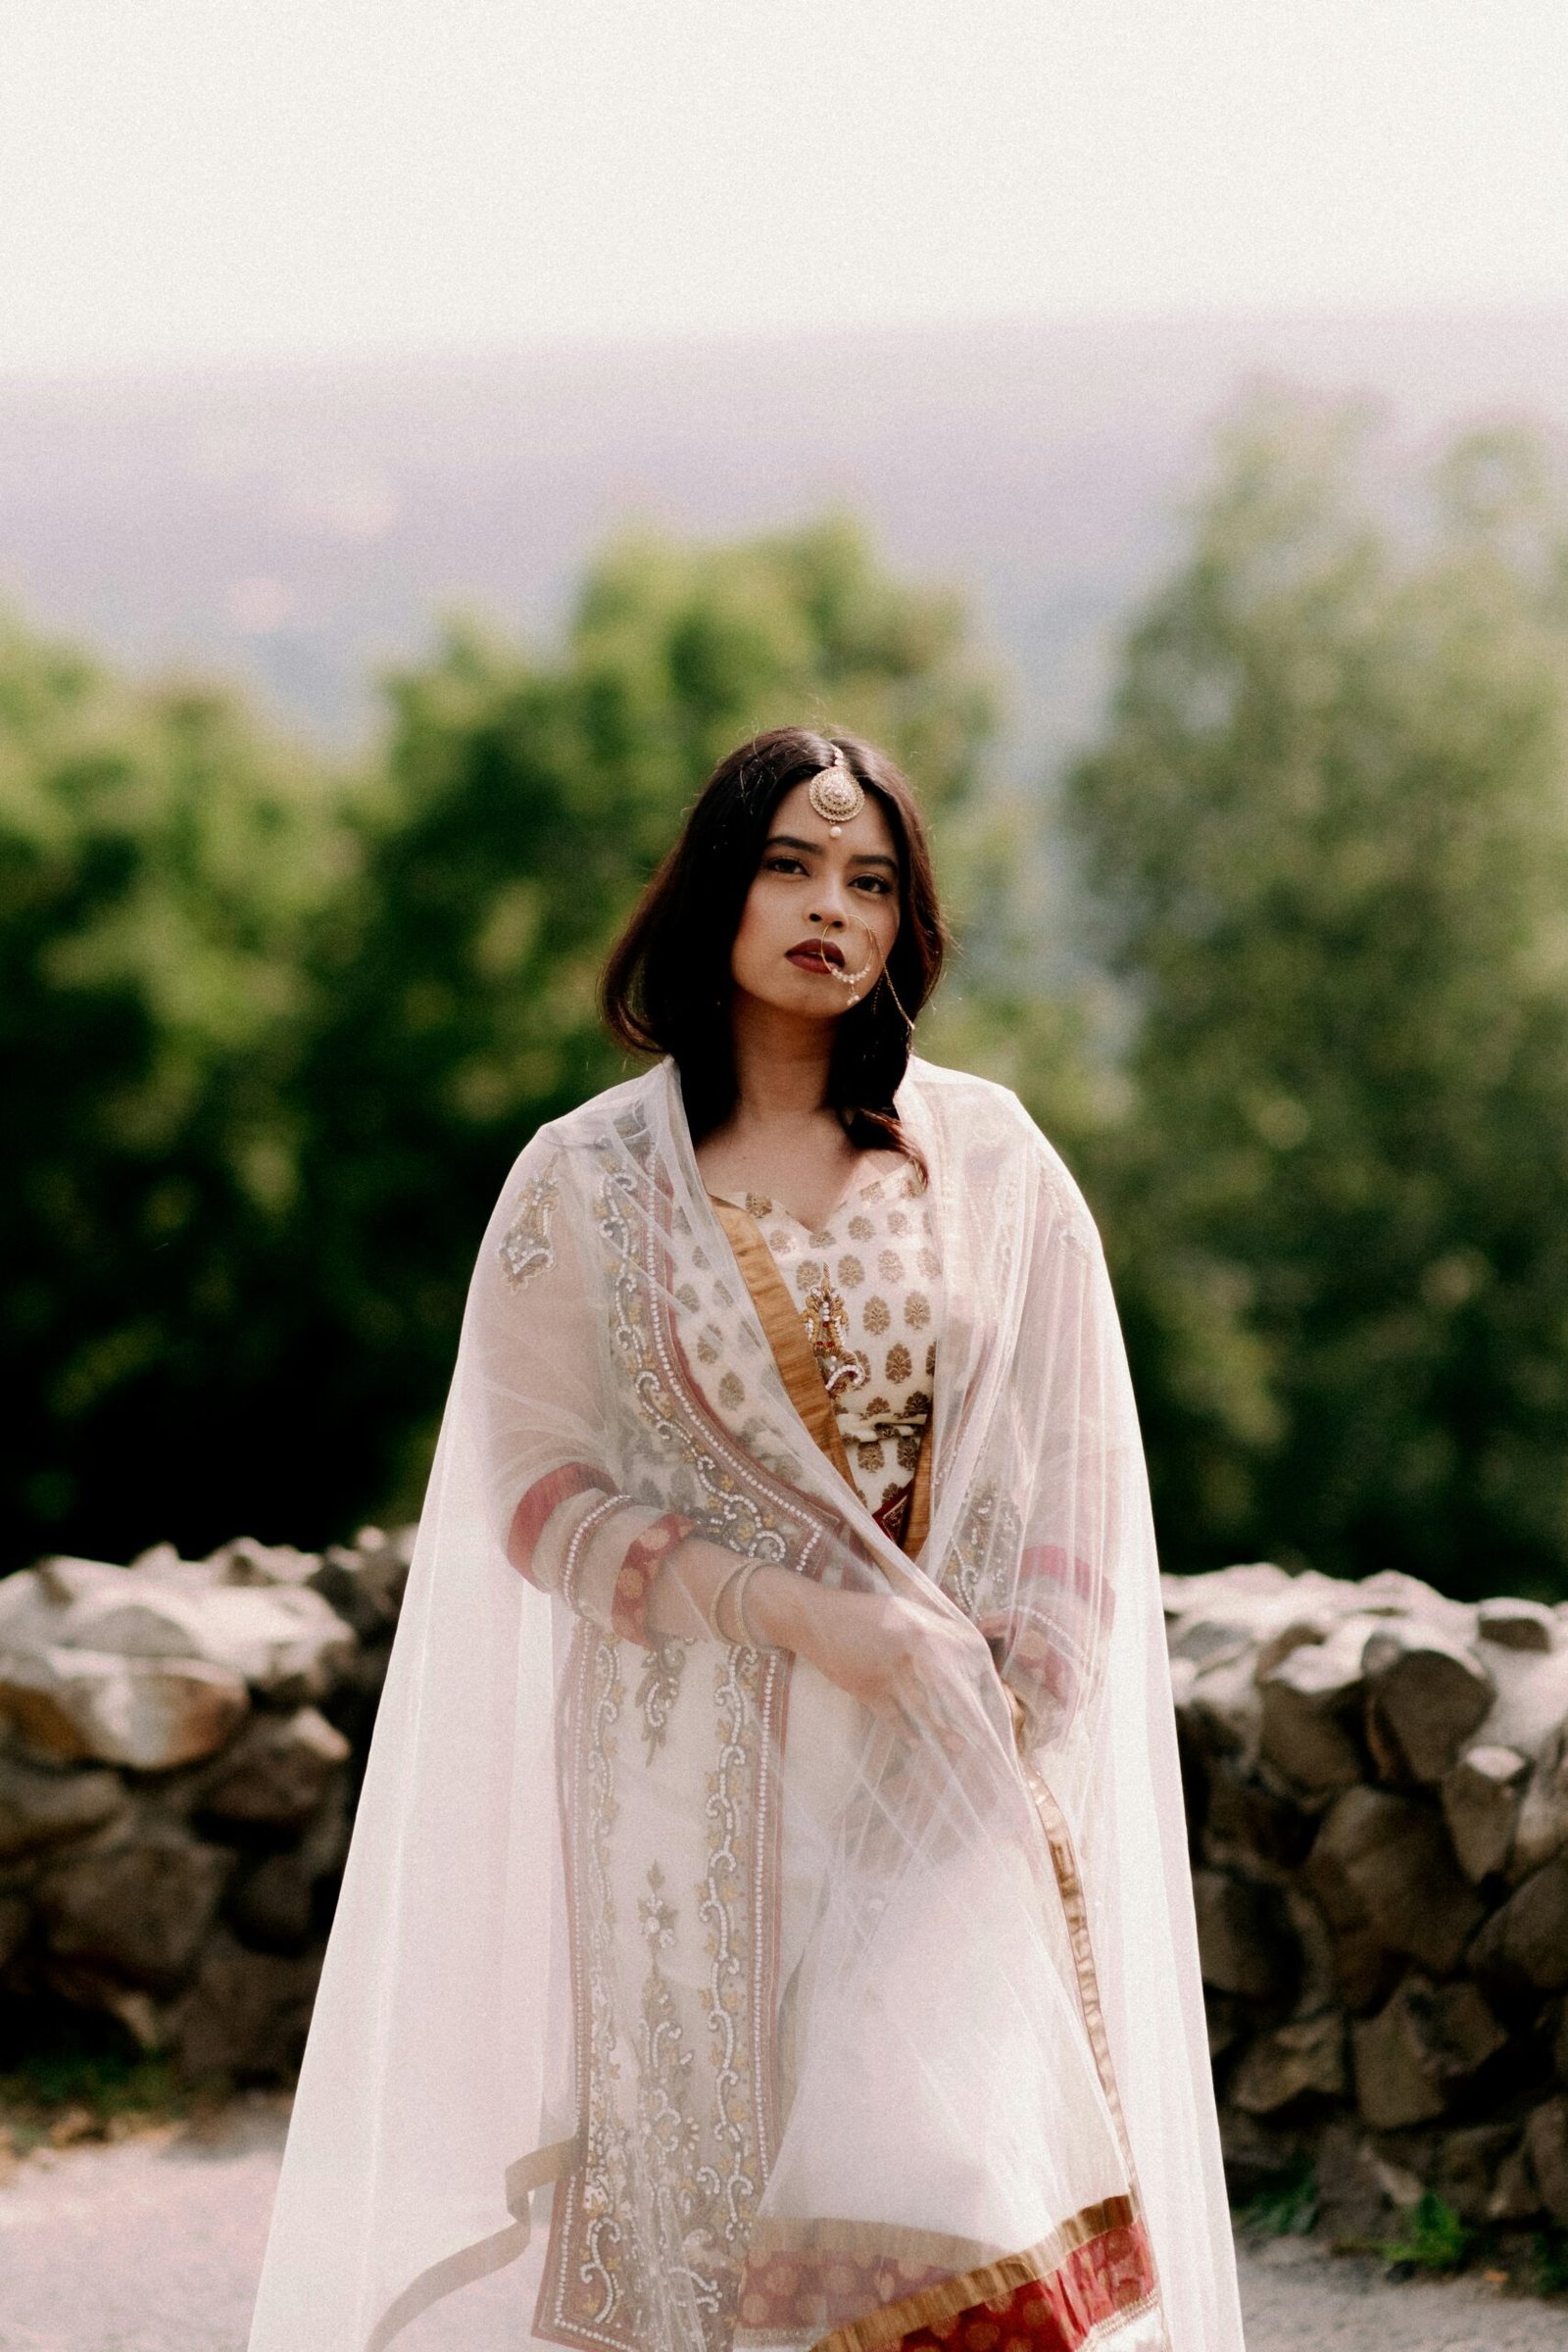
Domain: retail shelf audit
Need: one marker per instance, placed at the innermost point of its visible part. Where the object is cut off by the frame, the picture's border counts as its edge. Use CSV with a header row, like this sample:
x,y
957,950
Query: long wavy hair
x,y
666,987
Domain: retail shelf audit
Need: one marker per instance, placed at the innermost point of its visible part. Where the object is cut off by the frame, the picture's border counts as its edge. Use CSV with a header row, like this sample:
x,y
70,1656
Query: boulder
x,y
1470,2162
1531,1702
1382,1863
278,1771
1217,1588
1425,2042
138,1902
244,1561
1303,2057
1220,1712
1430,1689
364,1583
1517,1625
1250,1827
1310,1703
1514,2195
40,1807
1547,2145
1481,1800
1526,1941
284,1641
246,2015
66,1705
1542,1829
1238,1938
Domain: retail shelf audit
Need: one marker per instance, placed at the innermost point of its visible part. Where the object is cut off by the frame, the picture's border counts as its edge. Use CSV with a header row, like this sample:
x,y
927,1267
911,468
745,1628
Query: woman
x,y
768,1909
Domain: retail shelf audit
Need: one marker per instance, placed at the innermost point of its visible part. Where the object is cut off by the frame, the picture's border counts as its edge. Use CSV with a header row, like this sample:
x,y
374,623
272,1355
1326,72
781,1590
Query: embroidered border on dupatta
x,y
663,1375
1092,2274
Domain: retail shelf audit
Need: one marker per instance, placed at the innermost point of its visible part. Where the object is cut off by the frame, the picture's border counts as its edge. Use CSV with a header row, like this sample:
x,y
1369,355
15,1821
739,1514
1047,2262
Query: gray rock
x,y
1542,1829
1469,2163
244,1561
246,2015
1382,1863
1252,1828
1304,2057
284,1641
1310,1701
1517,1623
1431,1691
1514,2197
1532,1701
279,1770
1238,1938
1423,2045
40,1807
66,1705
1217,1587
365,1583
139,1903
1526,1941
1220,1710
1481,1800
1547,2145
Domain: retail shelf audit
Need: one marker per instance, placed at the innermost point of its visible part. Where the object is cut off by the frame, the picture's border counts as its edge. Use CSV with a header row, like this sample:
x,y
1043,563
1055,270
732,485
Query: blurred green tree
x,y
523,804
1327,834
161,863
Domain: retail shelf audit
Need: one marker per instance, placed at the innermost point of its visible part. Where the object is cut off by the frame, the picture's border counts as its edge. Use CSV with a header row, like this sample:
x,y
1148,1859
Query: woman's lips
x,y
816,955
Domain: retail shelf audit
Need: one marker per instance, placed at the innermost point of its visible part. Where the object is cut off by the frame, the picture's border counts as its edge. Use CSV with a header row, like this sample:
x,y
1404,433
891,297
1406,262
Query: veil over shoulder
x,y
753,2020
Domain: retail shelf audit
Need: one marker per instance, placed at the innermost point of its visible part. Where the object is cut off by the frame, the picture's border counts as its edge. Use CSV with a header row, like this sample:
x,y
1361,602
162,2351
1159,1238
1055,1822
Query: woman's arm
x,y
894,1657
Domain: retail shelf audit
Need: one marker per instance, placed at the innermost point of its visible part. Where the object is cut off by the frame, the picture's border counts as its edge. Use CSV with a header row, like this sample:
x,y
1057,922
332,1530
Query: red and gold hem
x,y
1095,2273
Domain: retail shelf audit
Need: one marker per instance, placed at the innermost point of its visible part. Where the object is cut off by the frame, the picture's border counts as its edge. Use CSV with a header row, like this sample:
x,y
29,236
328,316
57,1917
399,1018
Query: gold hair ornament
x,y
834,793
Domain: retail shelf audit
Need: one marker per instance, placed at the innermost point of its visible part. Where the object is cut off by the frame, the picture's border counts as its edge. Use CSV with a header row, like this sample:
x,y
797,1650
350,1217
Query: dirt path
x,y
154,2244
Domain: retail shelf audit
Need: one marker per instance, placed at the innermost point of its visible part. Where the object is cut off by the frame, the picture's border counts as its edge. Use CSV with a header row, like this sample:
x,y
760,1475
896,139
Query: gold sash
x,y
799,1368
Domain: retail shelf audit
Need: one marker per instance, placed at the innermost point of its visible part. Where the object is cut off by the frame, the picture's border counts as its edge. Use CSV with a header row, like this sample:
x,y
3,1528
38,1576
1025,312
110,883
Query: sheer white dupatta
x,y
773,2025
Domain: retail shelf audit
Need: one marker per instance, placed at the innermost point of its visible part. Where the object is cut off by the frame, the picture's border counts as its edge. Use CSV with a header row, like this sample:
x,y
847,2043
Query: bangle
x,y
714,1611
748,1633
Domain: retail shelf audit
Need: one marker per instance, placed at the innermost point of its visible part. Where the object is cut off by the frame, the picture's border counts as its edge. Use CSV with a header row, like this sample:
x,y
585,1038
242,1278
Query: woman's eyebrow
x,y
793,841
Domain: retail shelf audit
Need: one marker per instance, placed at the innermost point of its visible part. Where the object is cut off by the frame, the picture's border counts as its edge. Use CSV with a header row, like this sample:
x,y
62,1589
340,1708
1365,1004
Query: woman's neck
x,y
781,1066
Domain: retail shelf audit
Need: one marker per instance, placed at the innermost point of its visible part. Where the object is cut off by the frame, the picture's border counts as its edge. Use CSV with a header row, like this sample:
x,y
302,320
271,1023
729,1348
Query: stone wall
x,y
181,1743
1378,1793
1376,1780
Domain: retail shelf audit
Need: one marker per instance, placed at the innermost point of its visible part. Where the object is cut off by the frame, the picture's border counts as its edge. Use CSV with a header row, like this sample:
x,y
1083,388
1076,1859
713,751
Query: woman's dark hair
x,y
666,987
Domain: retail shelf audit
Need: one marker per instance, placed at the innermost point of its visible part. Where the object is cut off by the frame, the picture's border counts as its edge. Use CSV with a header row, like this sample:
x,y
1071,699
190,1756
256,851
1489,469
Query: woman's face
x,y
823,901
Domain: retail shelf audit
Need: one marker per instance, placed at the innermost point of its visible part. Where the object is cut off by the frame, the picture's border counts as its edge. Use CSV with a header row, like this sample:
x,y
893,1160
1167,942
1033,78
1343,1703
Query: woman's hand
x,y
905,1664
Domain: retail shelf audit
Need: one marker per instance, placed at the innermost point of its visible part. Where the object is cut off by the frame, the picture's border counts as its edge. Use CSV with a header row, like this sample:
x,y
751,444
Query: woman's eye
x,y
875,884
778,864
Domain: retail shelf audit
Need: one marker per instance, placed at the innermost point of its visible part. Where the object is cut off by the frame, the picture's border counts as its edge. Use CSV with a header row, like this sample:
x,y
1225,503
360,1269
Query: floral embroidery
x,y
525,1247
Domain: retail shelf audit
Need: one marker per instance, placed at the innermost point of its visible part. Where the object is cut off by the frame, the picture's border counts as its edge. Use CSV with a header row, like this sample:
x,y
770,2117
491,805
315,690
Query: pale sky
x,y
210,181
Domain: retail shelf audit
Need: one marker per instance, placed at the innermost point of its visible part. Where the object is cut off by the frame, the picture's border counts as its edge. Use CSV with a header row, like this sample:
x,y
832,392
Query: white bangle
x,y
749,1633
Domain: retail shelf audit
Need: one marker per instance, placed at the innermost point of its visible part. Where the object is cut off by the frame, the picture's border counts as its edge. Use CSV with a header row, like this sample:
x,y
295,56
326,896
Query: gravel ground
x,y
153,2245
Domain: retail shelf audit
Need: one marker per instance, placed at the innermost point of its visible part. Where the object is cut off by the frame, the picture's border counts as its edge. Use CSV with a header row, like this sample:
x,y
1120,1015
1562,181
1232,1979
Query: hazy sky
x,y
211,179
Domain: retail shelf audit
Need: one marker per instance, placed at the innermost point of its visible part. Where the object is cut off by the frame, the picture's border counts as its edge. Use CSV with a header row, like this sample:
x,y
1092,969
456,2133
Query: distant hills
x,y
301,528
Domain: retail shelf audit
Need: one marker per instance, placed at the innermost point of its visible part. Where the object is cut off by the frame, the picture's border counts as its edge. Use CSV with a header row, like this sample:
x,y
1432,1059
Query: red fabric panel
x,y
542,1497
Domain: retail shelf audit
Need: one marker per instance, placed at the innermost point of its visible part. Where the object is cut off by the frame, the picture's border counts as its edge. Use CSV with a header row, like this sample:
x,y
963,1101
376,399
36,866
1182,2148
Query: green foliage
x,y
160,867
1327,837
270,1039
1551,2252
1434,2238
1289,2206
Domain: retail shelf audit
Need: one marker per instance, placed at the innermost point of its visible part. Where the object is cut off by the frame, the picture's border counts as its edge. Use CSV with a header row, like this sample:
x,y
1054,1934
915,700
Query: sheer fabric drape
x,y
768,2023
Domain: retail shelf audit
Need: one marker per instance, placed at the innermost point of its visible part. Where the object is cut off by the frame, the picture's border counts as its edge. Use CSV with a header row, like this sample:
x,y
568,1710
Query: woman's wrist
x,y
782,1606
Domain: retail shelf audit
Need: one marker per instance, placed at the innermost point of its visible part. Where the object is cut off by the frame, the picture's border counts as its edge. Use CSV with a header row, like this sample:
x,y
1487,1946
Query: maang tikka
x,y
834,793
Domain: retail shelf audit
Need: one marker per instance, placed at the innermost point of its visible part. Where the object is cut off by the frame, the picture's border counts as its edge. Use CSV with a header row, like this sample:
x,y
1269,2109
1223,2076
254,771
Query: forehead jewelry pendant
x,y
835,794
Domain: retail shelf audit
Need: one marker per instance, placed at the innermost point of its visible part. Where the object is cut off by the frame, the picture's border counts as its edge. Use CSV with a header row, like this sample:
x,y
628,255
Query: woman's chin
x,y
806,995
